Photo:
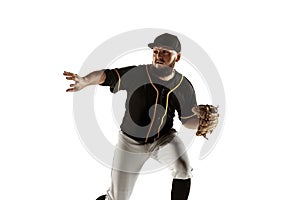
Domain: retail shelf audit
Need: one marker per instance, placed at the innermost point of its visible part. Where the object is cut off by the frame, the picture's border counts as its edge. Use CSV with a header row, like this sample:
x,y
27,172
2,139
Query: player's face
x,y
163,57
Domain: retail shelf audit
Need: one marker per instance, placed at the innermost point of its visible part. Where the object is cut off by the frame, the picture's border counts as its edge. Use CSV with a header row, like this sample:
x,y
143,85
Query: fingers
x,y
74,77
70,90
70,76
73,88
68,73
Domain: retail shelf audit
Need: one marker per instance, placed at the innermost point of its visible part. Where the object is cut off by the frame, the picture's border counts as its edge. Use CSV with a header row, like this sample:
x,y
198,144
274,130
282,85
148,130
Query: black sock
x,y
180,189
102,197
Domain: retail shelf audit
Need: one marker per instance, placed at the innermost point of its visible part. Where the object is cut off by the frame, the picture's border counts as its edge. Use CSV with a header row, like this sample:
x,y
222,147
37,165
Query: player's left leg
x,y
171,151
180,189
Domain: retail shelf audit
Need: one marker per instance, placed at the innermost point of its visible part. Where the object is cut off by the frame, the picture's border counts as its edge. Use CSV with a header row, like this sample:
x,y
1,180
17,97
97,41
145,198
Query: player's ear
x,y
178,57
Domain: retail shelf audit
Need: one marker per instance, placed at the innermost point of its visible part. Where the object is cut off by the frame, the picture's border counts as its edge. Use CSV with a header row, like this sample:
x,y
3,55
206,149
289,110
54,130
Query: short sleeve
x,y
114,78
187,100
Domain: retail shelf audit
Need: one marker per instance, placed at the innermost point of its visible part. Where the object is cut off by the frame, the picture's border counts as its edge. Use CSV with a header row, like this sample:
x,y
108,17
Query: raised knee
x,y
182,172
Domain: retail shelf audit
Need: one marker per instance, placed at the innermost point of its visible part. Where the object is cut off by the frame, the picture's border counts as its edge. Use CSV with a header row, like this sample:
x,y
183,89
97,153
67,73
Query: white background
x,y
254,45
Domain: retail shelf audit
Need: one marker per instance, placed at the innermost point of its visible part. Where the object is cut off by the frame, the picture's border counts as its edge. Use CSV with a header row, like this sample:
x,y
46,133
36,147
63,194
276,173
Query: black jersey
x,y
151,102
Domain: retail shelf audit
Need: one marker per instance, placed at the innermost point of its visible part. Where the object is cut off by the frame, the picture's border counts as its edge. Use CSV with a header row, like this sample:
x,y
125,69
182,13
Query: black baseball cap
x,y
166,40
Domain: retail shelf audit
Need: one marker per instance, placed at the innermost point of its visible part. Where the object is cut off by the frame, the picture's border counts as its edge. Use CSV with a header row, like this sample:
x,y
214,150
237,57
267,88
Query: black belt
x,y
142,140
150,139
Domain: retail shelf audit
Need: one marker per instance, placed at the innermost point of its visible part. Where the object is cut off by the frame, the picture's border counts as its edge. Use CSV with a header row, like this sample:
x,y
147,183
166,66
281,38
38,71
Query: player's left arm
x,y
204,118
187,114
191,123
199,112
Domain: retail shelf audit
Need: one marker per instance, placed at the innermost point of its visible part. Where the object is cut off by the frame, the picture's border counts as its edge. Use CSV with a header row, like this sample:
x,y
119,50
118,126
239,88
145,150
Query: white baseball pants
x,y
130,156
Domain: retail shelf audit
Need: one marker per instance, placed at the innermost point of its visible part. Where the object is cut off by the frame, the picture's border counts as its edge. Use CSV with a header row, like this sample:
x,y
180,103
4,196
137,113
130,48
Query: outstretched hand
x,y
79,81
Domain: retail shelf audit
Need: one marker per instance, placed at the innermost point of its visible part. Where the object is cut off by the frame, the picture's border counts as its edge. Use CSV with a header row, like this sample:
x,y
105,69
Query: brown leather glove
x,y
208,119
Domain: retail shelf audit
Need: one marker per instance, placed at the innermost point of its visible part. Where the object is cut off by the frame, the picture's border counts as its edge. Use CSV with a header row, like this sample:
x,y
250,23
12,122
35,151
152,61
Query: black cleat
x,y
102,197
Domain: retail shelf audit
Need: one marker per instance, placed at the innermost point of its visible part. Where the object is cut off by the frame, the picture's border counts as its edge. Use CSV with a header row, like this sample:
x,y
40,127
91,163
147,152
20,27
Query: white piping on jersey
x,y
156,100
188,116
167,104
119,81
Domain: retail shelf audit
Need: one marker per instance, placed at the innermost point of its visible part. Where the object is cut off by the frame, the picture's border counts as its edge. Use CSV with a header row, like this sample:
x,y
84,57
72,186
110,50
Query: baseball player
x,y
154,92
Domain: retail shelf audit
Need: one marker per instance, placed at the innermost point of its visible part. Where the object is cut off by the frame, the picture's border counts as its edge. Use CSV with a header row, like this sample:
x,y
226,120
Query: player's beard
x,y
162,71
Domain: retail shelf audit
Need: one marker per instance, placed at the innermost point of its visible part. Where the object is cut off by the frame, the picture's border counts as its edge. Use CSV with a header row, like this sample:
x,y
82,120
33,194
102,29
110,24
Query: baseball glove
x,y
208,119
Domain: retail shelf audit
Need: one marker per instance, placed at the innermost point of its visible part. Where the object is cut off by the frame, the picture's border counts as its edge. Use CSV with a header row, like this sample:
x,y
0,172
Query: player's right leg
x,y
129,158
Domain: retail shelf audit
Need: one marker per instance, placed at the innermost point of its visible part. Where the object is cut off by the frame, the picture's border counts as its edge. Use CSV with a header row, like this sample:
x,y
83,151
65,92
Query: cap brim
x,y
151,45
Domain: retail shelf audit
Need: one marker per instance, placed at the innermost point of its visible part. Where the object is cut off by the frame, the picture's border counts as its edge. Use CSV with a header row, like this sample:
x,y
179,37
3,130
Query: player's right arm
x,y
93,78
